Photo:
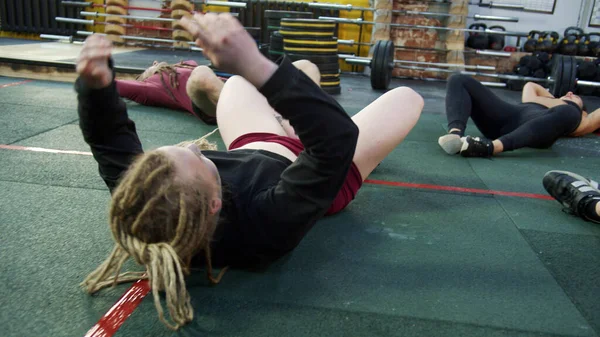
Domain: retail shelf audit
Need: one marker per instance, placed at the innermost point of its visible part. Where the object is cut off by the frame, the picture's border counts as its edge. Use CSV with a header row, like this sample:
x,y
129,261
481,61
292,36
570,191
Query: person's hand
x,y
229,46
92,63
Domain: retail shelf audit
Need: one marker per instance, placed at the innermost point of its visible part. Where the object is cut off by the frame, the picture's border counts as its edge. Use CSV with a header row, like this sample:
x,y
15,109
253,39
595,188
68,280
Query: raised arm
x,y
102,113
532,91
308,187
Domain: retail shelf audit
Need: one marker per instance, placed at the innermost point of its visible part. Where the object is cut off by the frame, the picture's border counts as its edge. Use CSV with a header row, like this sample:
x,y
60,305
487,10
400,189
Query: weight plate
x,y
287,14
557,75
329,68
333,90
327,77
564,72
303,33
311,43
182,4
300,21
330,83
570,73
114,29
116,10
316,59
311,50
382,64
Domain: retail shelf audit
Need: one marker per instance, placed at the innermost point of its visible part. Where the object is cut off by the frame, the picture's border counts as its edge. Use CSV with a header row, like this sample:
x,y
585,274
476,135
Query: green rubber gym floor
x,y
409,257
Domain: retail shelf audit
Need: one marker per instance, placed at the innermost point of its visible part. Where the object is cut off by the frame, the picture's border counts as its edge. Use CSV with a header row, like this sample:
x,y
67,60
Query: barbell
x,y
208,3
421,27
563,76
475,17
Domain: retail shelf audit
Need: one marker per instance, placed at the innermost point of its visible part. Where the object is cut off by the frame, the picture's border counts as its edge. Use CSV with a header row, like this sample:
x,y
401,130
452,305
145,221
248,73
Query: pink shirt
x,y
152,91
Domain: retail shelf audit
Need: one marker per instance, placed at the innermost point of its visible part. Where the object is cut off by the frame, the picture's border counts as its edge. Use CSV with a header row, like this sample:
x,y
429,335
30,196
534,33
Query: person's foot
x,y
204,89
476,147
574,192
451,143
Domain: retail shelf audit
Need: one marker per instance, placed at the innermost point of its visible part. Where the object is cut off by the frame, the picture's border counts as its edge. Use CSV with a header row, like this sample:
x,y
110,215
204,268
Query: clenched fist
x,y
92,63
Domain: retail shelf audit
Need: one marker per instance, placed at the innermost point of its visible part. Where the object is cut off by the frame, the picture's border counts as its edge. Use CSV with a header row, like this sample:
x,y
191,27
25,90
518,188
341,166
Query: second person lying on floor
x,y
537,122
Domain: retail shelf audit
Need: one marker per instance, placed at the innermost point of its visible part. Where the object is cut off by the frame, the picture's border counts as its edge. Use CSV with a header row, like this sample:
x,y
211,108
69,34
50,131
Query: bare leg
x,y
383,125
309,69
204,88
243,109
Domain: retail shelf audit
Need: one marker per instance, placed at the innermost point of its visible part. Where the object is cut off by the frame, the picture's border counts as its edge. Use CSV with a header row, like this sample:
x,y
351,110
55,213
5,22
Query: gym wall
x,y
566,13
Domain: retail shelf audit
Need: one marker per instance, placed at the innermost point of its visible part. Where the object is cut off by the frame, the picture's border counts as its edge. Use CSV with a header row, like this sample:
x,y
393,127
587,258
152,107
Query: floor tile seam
x,y
43,131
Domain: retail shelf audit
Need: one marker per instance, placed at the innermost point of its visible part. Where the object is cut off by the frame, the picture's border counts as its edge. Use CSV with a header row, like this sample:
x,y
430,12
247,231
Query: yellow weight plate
x,y
182,4
182,35
330,84
116,20
115,38
116,10
114,29
179,13
304,33
122,3
310,42
307,25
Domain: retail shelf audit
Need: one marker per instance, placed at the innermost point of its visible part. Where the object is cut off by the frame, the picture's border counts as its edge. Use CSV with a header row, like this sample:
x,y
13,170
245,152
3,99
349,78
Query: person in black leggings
x,y
537,122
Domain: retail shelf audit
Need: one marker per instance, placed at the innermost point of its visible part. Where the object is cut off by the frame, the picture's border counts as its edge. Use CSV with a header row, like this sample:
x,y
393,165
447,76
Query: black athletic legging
x,y
515,125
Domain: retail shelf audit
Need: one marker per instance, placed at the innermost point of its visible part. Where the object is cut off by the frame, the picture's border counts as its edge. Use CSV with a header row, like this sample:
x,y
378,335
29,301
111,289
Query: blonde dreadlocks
x,y
170,70
161,223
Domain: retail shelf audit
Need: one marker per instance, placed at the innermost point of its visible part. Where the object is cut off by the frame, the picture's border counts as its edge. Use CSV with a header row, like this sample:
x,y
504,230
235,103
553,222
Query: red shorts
x,y
345,195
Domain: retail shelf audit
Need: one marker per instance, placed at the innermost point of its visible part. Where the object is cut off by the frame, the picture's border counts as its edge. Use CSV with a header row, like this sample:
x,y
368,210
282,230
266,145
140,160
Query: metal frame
x,y
492,4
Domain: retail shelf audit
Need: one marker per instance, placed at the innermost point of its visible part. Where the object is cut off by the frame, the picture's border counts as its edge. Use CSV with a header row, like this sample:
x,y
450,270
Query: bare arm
x,y
532,91
589,123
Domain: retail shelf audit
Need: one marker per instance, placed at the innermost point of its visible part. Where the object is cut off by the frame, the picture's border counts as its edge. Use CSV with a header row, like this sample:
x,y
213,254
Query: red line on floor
x,y
368,181
458,189
14,84
108,325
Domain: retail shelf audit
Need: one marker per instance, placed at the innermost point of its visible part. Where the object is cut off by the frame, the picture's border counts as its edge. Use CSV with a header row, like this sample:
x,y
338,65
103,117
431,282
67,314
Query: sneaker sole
x,y
451,146
592,183
563,193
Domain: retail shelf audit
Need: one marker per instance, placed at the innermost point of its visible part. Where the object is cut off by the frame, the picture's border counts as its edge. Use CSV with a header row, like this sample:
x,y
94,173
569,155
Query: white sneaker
x,y
451,143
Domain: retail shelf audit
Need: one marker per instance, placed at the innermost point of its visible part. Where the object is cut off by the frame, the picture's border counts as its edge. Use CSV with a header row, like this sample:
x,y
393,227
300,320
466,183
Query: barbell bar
x,y
562,80
477,51
367,61
93,23
407,26
476,17
208,3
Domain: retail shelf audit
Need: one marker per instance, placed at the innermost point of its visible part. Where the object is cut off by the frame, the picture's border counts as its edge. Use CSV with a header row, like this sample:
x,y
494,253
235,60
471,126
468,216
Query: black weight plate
x,y
311,43
303,33
570,73
310,50
330,84
333,90
316,59
557,75
287,14
329,68
382,64
306,22
328,77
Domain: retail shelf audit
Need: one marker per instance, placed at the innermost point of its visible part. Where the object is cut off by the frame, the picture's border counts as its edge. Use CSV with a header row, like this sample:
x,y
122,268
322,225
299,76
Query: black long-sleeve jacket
x,y
269,202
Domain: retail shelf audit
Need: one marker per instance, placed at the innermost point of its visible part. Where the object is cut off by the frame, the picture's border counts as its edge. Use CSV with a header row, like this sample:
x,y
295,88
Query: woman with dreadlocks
x,y
178,207
171,86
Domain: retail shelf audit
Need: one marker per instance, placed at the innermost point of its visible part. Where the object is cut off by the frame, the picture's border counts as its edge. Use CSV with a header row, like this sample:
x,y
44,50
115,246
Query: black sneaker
x,y
572,191
476,147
